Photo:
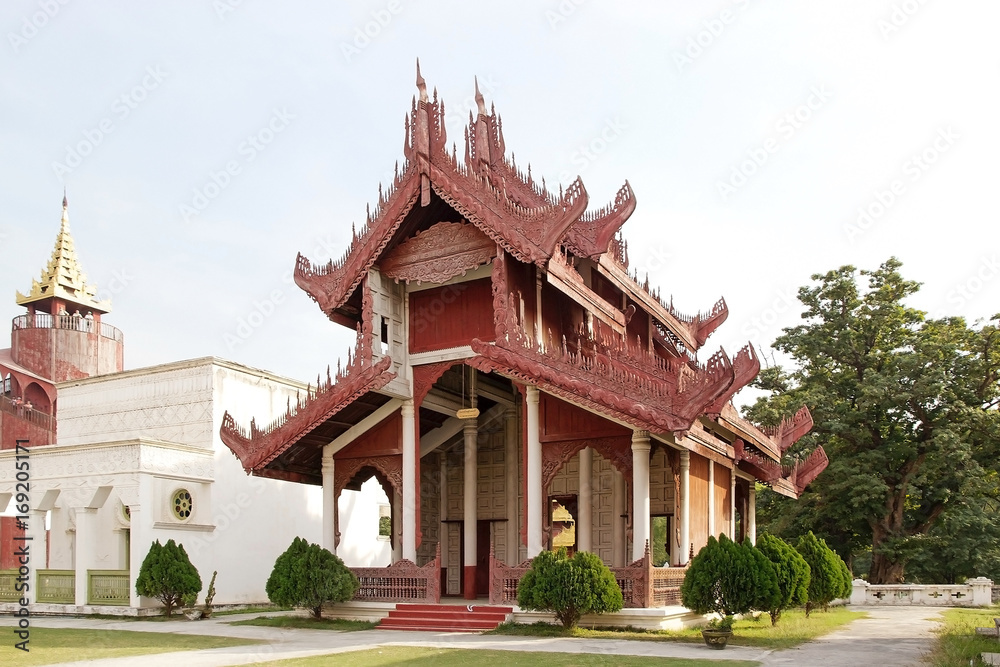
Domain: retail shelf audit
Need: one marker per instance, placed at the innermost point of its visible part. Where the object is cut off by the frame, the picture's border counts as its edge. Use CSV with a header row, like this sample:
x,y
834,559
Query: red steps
x,y
444,618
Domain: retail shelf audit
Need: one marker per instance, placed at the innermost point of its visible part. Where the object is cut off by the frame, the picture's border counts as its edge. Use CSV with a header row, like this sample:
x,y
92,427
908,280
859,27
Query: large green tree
x,y
904,405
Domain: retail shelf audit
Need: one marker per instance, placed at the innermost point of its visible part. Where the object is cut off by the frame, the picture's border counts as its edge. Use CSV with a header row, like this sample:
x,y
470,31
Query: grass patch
x,y
438,657
957,642
793,629
308,623
50,645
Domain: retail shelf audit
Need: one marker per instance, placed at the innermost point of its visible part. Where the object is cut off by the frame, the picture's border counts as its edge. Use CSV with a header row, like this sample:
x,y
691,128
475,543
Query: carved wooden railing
x,y
108,587
403,581
8,581
642,584
58,586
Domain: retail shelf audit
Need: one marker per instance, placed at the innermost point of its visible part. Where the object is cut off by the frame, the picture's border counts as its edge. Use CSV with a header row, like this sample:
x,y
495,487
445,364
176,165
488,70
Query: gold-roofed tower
x,y
63,288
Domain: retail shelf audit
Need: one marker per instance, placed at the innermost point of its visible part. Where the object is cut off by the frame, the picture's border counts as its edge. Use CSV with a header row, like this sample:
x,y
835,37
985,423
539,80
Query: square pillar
x,y
752,513
640,493
36,544
732,503
534,474
585,504
618,519
685,491
410,482
511,457
84,551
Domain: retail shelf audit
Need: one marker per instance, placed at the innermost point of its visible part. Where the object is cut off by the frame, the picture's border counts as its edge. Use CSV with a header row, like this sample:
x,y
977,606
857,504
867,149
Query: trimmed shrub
x,y
829,577
307,575
727,578
569,587
167,574
791,570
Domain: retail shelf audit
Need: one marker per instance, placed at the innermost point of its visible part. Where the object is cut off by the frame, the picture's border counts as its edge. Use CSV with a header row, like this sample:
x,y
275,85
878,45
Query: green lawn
x,y
957,644
50,645
793,629
439,657
307,623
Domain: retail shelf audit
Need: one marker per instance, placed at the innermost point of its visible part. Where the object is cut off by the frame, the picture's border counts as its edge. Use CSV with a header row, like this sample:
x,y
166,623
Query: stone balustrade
x,y
976,592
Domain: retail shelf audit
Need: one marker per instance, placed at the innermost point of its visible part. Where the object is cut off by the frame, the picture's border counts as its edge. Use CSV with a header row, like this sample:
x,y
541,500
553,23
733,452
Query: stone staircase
x,y
444,618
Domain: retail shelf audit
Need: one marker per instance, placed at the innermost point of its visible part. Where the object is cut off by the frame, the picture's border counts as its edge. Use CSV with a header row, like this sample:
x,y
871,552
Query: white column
x,y
443,512
329,504
732,503
539,333
409,482
640,493
752,514
512,455
685,549
86,544
618,520
36,549
584,523
711,499
471,471
534,475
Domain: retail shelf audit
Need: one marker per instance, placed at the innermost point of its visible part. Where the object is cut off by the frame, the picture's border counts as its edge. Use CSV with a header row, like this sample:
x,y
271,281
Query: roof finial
x,y
421,84
480,102
65,202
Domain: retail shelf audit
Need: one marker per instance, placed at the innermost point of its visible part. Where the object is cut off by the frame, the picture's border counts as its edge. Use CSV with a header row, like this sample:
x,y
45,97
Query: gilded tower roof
x,y
63,277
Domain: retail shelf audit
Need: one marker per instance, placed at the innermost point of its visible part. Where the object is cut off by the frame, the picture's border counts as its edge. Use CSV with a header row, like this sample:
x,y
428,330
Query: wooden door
x,y
482,558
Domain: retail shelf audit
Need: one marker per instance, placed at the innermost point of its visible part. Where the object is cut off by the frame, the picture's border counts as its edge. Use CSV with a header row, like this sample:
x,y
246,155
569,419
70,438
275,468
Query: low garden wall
x,y
976,592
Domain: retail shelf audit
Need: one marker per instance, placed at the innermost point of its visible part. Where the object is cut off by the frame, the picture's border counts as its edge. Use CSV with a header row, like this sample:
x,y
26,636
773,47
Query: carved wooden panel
x,y
438,254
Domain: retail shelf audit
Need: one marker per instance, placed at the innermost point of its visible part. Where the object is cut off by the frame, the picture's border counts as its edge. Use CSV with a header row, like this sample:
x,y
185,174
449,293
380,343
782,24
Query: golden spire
x,y
63,278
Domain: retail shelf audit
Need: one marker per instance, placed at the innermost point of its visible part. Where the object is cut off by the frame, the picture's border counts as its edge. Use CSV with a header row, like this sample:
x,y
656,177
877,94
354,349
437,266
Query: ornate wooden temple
x,y
514,386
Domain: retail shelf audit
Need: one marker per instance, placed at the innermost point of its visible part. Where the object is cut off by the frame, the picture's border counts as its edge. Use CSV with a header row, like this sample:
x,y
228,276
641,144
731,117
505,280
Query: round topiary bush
x,y
569,587
167,574
307,575
791,570
727,579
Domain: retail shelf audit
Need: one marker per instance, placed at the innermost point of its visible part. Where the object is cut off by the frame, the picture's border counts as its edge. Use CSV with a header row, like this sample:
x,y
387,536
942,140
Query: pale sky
x,y
753,133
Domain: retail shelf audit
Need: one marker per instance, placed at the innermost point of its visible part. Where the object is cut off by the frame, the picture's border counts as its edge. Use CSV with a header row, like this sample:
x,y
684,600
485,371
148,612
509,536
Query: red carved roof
x,y
485,188
612,376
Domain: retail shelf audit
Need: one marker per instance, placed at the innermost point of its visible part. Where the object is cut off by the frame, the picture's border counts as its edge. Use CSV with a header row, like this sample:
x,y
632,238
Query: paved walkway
x,y
862,642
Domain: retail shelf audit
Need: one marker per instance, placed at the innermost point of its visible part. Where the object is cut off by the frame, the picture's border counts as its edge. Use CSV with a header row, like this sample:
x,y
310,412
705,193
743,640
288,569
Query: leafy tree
x,y
904,405
828,576
307,575
727,578
167,574
791,570
569,587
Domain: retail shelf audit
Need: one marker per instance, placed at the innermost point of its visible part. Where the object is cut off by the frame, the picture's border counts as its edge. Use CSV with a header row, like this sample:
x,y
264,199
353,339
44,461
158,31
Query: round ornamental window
x,y
182,504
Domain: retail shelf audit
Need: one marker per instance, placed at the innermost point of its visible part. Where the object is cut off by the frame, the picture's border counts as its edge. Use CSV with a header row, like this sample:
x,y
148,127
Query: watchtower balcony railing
x,y
68,322
30,415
